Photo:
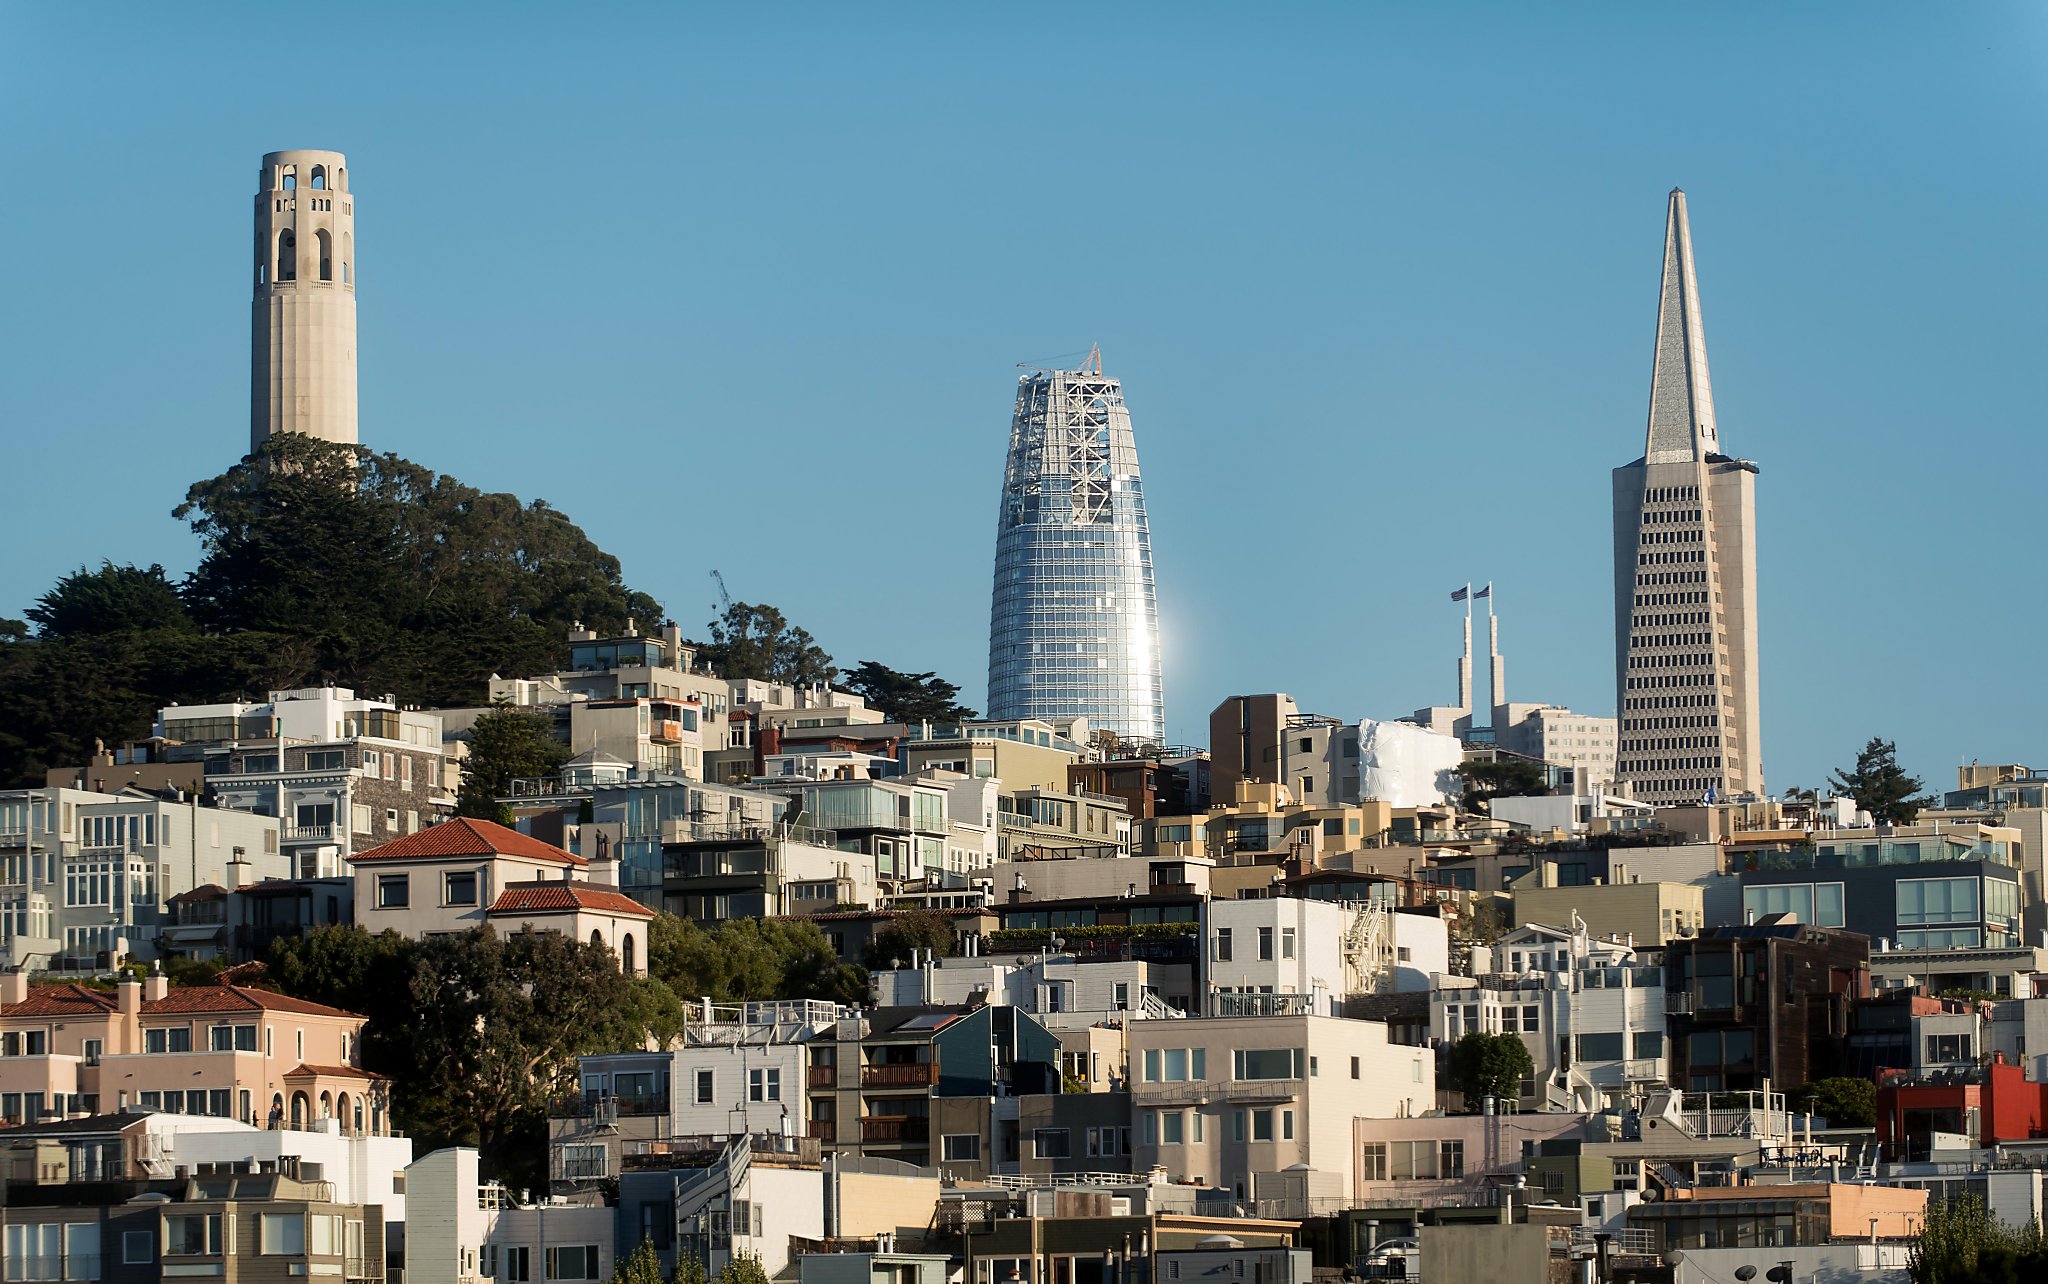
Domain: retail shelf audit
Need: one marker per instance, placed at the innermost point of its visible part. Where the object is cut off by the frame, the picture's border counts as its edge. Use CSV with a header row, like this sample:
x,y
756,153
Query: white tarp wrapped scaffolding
x,y
1406,766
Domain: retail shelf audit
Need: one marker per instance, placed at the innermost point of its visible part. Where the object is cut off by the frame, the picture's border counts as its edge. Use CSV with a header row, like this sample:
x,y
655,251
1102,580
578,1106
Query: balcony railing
x,y
312,833
895,1128
821,1076
917,1074
580,1107
1260,1005
823,1130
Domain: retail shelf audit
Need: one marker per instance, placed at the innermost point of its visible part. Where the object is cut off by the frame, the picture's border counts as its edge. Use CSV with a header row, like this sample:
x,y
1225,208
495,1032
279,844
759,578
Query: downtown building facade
x,y
1074,618
1685,573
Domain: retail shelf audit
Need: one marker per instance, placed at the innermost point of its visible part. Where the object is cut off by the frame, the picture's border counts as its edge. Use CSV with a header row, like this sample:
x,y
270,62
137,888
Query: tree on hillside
x,y
906,697
1501,778
505,745
642,1266
744,1268
908,933
1963,1242
1880,786
113,599
742,960
1489,1065
478,1033
405,580
750,641
1844,1102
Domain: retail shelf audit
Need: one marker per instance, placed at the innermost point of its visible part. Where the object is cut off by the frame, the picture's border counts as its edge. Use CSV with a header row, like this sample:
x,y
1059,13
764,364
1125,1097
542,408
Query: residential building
x,y
920,1084
1074,620
1959,1106
1648,912
221,1050
85,877
1037,822
1022,753
873,1268
1220,1100
302,369
471,873
714,1198
1590,1011
1761,1004
339,771
1066,874
1284,954
256,1227
1932,887
1084,1236
1442,1158
1685,620
1163,930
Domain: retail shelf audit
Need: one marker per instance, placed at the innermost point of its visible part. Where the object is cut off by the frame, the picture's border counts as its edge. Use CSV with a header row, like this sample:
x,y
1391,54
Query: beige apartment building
x,y
1222,1100
1644,913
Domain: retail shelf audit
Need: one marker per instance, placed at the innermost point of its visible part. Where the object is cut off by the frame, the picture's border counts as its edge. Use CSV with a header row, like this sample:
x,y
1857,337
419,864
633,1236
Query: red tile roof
x,y
331,1072
466,836
566,898
61,1001
201,999
78,1001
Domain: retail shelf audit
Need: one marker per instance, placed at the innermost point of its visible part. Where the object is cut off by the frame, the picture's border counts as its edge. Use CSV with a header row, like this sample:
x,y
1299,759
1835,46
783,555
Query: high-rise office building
x,y
1074,624
1685,573
302,367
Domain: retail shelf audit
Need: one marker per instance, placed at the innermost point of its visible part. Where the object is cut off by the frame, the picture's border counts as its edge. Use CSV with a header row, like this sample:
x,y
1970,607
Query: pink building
x,y
223,1050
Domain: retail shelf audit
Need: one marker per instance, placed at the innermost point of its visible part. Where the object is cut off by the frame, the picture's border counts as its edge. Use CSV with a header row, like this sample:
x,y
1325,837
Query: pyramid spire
x,y
1681,394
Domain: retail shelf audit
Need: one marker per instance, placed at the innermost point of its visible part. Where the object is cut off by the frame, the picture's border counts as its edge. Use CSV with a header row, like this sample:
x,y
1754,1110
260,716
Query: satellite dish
x,y
1745,1273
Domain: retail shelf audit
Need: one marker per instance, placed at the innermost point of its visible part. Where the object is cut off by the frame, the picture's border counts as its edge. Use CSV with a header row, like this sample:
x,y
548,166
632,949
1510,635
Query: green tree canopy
x,y
1963,1242
744,1268
1501,778
479,1033
1489,1065
1880,786
506,744
906,697
750,641
741,960
403,580
1844,1102
113,599
895,944
319,561
642,1266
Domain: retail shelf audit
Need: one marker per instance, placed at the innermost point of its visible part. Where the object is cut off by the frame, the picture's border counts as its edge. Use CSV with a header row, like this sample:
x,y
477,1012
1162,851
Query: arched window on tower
x,y
319,179
288,178
287,256
348,252
326,247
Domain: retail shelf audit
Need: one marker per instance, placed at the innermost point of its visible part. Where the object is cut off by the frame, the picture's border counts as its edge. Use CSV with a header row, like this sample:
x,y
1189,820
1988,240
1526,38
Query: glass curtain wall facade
x,y
1074,623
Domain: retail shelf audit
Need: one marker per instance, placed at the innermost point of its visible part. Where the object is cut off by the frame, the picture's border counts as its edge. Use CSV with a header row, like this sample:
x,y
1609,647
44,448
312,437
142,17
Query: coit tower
x,y
302,367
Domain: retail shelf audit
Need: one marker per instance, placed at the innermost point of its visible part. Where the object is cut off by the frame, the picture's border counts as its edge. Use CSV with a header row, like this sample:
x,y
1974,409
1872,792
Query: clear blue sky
x,y
745,287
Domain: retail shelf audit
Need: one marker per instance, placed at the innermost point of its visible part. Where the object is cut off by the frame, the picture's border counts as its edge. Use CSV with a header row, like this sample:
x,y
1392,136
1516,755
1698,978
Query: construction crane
x,y
1090,364
724,598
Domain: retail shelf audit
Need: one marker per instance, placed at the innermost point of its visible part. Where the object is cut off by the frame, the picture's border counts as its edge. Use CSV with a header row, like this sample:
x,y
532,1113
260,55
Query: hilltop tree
x,y
403,580
1963,1242
906,697
1881,787
740,960
506,744
113,599
750,641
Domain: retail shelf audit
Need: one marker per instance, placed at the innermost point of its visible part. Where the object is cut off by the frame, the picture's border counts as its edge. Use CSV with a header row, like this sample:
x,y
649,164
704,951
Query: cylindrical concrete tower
x,y
302,368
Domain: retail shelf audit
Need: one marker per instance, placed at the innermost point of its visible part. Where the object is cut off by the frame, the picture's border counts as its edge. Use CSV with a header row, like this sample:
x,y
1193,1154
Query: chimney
x,y
13,987
128,995
156,985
